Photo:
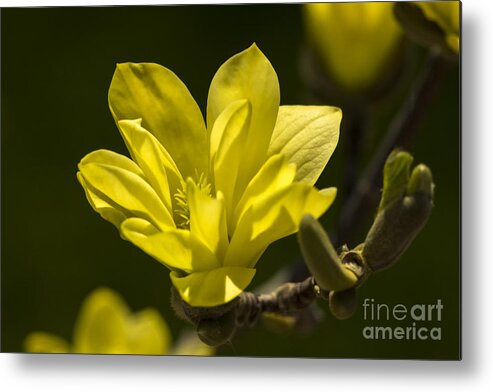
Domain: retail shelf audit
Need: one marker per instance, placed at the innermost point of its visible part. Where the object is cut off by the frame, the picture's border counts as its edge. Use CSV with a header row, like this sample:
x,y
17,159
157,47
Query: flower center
x,y
182,210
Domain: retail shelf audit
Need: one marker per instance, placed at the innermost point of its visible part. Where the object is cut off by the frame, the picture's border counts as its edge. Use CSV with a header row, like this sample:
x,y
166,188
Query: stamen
x,y
181,197
182,208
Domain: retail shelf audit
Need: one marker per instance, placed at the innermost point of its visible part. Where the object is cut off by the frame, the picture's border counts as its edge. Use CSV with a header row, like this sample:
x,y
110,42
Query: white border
x,y
474,373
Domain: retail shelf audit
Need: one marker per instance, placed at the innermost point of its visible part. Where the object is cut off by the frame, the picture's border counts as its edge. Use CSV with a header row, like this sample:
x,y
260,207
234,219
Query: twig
x,y
288,298
400,132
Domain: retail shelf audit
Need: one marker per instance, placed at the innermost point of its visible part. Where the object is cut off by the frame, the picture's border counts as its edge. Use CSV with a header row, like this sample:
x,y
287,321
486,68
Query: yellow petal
x,y
101,324
274,217
103,206
208,219
175,248
125,189
248,75
167,109
108,209
153,159
274,175
307,136
108,157
148,333
41,342
214,287
228,139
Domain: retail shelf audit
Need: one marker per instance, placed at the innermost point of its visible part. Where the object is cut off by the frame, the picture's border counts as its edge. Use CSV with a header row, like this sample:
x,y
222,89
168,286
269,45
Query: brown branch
x,y
287,298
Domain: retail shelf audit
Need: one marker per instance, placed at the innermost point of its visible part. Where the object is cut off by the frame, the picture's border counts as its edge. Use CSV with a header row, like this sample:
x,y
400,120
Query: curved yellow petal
x,y
275,174
101,324
156,163
148,333
167,109
107,157
247,75
274,217
307,136
353,40
177,249
125,189
228,139
214,287
103,206
42,342
208,219
233,119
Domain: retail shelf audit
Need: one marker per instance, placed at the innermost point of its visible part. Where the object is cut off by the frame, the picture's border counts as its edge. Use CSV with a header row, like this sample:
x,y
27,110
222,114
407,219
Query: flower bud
x,y
216,332
356,42
399,222
321,258
193,314
343,304
447,15
395,177
421,181
432,24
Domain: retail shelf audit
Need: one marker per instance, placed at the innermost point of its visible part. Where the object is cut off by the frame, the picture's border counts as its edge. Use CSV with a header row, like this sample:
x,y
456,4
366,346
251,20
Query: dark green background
x,y
57,64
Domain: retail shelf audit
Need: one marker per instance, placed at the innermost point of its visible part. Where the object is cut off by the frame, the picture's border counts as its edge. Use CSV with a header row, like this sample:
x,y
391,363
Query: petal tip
x,y
254,50
254,47
330,194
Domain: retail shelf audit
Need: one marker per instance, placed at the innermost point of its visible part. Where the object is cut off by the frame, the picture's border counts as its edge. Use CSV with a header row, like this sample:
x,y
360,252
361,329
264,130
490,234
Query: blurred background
x,y
57,64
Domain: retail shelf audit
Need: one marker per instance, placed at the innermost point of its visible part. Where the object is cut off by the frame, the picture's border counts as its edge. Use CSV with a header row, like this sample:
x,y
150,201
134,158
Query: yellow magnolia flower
x,y
105,325
447,15
206,201
354,40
